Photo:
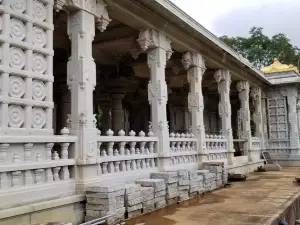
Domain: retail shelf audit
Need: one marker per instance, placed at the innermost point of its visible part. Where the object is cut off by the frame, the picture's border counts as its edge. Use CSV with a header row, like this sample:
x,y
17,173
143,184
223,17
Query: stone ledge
x,y
245,164
16,211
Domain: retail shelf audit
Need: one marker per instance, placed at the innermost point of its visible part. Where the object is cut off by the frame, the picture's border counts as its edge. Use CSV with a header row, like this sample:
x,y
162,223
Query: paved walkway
x,y
257,201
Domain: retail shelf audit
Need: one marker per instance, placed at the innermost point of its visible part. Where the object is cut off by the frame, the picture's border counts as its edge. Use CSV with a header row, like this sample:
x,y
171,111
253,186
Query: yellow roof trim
x,y
277,67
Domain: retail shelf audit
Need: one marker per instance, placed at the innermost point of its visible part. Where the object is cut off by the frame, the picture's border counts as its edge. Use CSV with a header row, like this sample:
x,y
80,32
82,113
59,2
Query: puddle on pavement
x,y
159,217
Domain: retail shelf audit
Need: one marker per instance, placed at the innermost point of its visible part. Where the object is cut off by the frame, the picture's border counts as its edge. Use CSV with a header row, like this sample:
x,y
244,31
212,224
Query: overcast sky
x,y
236,17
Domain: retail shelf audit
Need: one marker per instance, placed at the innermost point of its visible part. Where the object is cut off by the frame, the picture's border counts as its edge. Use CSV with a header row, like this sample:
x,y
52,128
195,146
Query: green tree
x,y
260,49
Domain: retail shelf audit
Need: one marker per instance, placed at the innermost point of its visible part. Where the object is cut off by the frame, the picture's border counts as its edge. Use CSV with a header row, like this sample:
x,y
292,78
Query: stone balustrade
x,y
35,164
183,149
121,153
216,147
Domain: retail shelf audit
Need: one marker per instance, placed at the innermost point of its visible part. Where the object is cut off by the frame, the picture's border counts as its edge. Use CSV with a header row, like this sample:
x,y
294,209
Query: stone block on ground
x,y
134,208
160,188
131,188
161,204
160,193
168,177
183,195
134,213
193,194
106,188
183,187
97,213
183,174
172,201
105,195
182,182
159,199
118,200
172,195
147,208
151,182
133,202
103,207
147,193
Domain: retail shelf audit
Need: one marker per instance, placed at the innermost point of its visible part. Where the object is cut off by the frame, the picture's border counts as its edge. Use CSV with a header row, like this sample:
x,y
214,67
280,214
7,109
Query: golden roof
x,y
277,67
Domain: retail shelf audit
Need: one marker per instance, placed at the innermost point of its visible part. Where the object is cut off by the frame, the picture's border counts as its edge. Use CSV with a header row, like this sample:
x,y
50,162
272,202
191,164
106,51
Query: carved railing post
x,y
158,47
223,78
194,63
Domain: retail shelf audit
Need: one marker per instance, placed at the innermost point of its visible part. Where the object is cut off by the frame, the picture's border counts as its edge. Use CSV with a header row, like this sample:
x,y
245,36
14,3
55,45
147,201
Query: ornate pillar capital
x,y
150,39
243,86
222,75
193,59
256,93
95,7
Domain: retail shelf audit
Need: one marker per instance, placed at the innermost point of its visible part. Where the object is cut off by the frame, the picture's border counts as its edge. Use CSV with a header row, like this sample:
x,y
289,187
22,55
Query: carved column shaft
x,y
196,68
223,78
257,116
82,81
158,47
244,117
158,97
244,114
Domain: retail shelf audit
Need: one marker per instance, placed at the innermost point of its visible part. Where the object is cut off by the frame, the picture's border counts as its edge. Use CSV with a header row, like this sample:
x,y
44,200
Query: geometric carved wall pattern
x,y
26,62
277,118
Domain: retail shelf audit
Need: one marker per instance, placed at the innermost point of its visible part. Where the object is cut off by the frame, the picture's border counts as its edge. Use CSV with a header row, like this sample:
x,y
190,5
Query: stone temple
x,y
95,91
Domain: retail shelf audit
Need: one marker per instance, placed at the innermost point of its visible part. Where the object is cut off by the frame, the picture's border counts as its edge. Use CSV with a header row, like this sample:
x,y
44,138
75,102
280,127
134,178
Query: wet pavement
x,y
258,201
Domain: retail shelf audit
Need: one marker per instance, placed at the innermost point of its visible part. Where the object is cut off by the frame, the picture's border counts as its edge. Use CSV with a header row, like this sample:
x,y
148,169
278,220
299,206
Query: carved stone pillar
x,y
158,47
223,78
81,82
292,95
244,116
117,112
257,115
194,63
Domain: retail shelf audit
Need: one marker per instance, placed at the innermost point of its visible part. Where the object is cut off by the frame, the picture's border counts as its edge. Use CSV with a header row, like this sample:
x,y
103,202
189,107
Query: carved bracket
x,y
95,7
243,86
222,75
150,38
193,59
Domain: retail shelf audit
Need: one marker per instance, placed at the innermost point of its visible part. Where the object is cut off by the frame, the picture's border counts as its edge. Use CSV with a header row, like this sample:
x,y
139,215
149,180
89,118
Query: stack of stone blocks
x,y
214,176
159,188
209,180
133,200
171,180
147,195
105,200
183,185
148,199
